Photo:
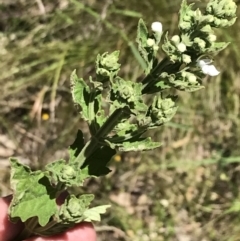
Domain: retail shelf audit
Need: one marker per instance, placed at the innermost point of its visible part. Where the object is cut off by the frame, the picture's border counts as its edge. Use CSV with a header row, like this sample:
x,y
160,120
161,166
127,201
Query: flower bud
x,y
156,27
200,43
197,14
155,48
185,25
175,39
162,110
181,47
212,37
186,58
150,42
192,79
207,29
209,18
68,173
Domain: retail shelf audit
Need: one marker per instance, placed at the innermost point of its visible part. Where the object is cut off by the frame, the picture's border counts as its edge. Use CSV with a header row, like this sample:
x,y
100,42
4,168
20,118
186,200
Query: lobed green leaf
x,y
33,195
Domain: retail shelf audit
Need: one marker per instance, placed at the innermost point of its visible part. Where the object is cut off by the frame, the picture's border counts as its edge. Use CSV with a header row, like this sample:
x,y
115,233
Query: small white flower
x,y
203,62
156,27
207,67
210,70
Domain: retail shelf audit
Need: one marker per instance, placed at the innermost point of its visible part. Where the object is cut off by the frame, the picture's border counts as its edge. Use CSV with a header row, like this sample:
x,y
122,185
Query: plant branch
x,y
107,127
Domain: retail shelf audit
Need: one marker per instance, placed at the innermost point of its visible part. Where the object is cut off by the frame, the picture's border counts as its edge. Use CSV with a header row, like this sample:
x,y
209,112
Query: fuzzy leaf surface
x,y
145,51
72,211
33,195
76,147
97,162
80,94
68,174
93,214
142,144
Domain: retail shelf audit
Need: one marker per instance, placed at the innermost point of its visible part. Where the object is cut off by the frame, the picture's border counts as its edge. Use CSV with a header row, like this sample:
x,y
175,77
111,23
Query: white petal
x,y
205,69
203,62
157,27
210,70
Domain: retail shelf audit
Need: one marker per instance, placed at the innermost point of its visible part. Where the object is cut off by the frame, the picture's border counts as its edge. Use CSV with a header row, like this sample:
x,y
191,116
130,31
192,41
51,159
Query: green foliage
x,y
72,211
33,194
97,162
66,174
147,45
76,147
118,115
93,214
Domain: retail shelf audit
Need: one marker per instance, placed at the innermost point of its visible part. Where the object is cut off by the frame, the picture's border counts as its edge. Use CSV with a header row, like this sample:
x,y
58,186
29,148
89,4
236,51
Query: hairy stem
x,y
107,127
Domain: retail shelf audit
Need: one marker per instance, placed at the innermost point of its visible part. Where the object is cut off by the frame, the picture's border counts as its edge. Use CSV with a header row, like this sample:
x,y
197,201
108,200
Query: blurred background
x,y
187,190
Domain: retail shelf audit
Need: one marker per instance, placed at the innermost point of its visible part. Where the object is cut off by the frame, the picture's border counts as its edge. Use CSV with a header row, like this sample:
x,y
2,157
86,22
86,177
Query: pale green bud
x,y
222,8
184,74
107,64
186,58
103,72
68,173
150,42
181,47
207,29
224,23
201,43
212,38
230,9
217,22
185,25
162,110
208,18
175,39
192,79
155,48
232,5
198,14
187,18
110,61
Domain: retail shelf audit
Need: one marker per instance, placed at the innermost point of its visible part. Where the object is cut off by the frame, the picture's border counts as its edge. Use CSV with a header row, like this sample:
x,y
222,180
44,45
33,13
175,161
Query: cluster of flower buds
x,y
196,39
73,210
176,49
127,93
107,65
189,54
162,110
223,12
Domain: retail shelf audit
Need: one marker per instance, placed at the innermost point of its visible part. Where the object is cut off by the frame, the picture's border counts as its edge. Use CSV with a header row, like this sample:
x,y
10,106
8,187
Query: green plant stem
x,y
147,81
134,134
164,66
28,230
107,127
91,113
